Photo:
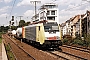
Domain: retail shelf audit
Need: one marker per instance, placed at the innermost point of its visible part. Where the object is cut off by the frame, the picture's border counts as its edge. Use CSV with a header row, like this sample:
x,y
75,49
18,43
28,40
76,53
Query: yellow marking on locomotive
x,y
60,32
40,36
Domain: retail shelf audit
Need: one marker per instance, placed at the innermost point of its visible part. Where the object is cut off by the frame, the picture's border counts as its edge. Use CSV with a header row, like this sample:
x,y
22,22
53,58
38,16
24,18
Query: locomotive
x,y
42,34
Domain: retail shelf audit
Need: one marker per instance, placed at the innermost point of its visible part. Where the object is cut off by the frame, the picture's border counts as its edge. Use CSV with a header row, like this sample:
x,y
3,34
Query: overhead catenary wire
x,y
12,8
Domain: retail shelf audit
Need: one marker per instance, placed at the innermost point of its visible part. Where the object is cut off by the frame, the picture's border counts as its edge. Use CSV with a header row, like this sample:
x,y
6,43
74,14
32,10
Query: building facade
x,y
48,12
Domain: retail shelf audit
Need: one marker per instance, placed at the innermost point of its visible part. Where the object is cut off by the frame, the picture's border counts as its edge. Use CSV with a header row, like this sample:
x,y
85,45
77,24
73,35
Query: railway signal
x,y
12,18
12,22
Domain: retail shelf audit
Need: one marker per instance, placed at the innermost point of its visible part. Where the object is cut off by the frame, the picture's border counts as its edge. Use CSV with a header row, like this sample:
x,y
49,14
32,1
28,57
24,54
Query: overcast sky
x,y
67,9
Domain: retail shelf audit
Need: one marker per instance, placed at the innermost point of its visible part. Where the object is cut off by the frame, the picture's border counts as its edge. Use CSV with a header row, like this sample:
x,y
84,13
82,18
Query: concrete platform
x,y
0,51
3,52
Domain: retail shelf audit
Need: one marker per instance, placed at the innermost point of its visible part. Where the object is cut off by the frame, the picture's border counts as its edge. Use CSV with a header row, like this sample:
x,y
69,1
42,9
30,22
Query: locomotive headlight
x,y
46,38
58,37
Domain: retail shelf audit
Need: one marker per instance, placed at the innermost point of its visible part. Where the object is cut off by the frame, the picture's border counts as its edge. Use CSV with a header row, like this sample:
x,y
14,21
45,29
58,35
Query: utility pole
x,y
87,17
17,21
87,23
35,2
80,26
20,17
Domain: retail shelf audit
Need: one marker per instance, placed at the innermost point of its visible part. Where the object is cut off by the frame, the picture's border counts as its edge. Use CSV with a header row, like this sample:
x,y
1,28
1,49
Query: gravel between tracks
x,y
76,52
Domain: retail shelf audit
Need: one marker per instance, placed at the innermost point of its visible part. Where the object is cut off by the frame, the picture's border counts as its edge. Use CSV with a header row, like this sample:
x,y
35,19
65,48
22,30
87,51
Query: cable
x,y
12,8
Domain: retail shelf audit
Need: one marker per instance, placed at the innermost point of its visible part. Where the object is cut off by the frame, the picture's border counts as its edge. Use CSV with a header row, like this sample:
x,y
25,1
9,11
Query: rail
x,y
20,48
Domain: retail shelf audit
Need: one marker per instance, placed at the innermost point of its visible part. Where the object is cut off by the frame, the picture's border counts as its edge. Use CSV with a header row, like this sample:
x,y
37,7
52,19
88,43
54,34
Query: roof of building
x,y
63,24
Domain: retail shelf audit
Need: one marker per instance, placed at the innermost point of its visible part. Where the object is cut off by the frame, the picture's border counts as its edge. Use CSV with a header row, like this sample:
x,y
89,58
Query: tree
x,y
13,27
3,28
21,23
27,23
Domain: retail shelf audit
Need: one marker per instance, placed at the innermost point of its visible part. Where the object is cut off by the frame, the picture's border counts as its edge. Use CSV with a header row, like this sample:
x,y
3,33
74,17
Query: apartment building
x,y
70,26
48,12
63,29
78,25
86,24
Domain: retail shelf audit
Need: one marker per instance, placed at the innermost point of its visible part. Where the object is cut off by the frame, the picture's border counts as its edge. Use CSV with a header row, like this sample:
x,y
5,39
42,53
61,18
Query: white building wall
x,y
64,30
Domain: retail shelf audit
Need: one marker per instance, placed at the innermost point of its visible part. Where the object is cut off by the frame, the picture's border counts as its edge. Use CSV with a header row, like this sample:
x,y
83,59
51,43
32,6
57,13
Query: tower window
x,y
48,13
52,12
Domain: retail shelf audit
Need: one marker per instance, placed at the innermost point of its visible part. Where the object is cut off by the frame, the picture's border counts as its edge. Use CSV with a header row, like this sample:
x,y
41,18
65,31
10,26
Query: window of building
x,y
71,26
71,29
52,12
50,6
51,18
89,24
48,12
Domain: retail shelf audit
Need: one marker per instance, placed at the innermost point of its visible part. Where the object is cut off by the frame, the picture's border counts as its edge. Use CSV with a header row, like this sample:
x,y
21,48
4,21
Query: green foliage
x,y
27,23
4,29
78,42
0,37
0,40
65,41
87,39
13,27
9,52
21,23
7,47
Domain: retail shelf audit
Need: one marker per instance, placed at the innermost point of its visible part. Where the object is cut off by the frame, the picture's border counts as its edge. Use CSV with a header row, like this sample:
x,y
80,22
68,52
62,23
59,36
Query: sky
x,y
16,8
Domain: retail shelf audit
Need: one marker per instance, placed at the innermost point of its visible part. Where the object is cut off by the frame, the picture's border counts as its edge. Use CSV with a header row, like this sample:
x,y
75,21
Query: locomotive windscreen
x,y
51,27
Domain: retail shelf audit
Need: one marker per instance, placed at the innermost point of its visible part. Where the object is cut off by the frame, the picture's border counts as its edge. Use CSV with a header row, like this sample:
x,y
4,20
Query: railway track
x,y
37,54
65,56
60,55
18,51
76,51
78,48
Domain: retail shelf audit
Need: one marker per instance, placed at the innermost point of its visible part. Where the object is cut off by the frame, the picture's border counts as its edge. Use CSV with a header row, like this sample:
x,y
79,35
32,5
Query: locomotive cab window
x,y
39,28
51,28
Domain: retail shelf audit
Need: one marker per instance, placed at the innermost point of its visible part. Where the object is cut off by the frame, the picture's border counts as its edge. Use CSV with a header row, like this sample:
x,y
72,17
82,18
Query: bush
x,y
77,42
65,41
87,40
0,37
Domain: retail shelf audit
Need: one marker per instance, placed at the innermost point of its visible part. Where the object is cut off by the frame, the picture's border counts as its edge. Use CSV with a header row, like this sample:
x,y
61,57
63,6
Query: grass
x,y
0,37
8,49
0,40
9,52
